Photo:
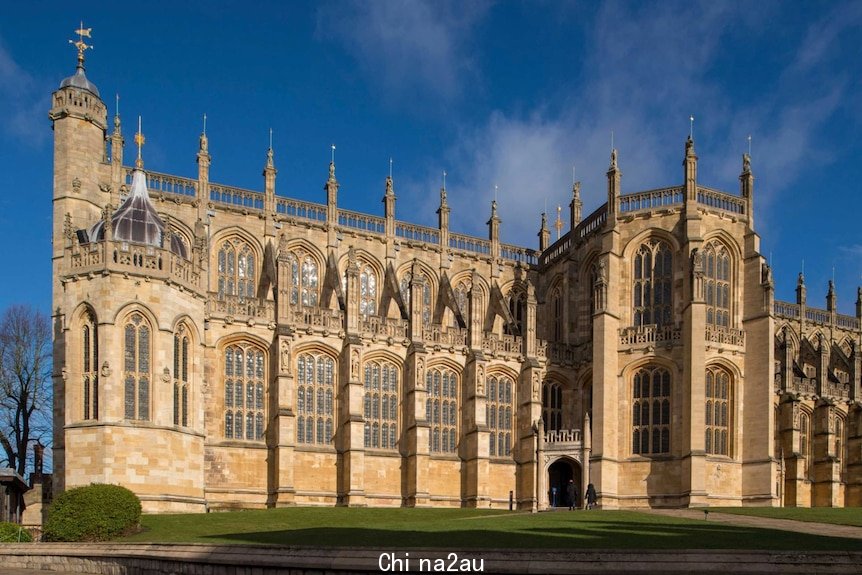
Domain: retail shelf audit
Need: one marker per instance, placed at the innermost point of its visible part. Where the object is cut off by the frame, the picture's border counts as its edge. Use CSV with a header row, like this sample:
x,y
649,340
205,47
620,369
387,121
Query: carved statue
x,y
696,262
420,374
285,357
535,387
166,375
480,380
354,365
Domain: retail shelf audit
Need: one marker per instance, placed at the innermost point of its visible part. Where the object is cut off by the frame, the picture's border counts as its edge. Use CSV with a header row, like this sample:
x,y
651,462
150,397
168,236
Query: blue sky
x,y
511,94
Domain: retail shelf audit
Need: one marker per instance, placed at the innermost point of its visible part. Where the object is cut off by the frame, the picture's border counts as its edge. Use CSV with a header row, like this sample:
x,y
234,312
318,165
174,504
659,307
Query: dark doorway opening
x,y
559,474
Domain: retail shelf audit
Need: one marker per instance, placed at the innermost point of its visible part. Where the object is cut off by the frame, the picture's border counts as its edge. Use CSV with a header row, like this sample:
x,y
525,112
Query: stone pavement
x,y
827,529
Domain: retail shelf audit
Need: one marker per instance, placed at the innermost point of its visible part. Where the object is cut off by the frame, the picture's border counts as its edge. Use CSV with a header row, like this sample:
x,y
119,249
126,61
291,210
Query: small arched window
x,y
498,415
652,284
441,409
244,373
426,296
90,366
719,411
717,284
552,406
181,376
136,367
367,291
381,404
236,269
315,398
805,441
651,394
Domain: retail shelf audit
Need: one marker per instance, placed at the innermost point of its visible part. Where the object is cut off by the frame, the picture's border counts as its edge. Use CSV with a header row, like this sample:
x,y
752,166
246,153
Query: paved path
x,y
826,529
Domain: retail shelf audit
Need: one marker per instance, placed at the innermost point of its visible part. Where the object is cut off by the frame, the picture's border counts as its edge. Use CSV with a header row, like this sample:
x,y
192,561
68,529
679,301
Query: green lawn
x,y
470,528
835,515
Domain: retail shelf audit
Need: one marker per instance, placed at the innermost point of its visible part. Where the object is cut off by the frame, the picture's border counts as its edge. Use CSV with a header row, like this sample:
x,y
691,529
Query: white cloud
x,y
25,103
409,47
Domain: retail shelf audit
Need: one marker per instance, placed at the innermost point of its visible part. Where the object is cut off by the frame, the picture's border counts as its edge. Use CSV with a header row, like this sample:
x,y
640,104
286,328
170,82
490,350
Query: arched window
x,y
381,404
805,441
462,298
717,285
304,279
236,270
136,367
244,376
840,446
426,296
719,411
367,291
651,289
441,409
651,411
557,315
498,415
90,366
315,398
181,376
518,309
552,406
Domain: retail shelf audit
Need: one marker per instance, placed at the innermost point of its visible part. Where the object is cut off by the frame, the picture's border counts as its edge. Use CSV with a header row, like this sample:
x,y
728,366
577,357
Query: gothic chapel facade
x,y
225,348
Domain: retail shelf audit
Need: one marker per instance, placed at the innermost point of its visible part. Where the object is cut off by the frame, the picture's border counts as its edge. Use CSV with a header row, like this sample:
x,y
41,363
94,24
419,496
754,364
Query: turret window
x,y
136,368
90,367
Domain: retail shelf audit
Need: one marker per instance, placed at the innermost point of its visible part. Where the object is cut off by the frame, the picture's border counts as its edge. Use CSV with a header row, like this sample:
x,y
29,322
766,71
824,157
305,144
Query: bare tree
x,y
25,383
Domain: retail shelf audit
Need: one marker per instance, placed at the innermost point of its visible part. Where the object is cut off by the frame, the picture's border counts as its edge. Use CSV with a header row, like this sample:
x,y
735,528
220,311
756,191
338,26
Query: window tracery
x,y
426,295
381,404
441,409
552,406
805,441
651,393
136,367
367,290
652,284
717,284
90,367
315,398
244,374
181,376
304,279
236,269
719,411
498,415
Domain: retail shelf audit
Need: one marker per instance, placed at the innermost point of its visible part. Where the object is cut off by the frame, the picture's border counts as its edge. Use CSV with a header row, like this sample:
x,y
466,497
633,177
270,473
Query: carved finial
x,y
443,191
332,164
117,115
614,159
559,223
204,141
80,44
746,163
139,141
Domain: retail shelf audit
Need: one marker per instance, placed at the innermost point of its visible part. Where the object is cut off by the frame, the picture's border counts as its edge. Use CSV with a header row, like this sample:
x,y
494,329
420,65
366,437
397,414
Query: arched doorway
x,y
559,474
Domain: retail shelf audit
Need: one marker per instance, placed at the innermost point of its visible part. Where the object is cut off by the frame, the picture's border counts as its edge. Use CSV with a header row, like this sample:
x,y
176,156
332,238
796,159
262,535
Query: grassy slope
x,y
835,515
464,528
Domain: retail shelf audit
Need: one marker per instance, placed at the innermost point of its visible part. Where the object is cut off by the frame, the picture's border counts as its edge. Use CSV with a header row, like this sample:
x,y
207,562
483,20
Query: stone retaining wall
x,y
189,559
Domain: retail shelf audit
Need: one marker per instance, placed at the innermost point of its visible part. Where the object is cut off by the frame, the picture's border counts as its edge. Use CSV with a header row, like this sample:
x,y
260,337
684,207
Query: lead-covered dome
x,y
79,80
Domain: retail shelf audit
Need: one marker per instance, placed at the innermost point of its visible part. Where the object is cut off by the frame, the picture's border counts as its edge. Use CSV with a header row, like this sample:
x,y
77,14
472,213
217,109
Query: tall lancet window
x,y
652,283
426,296
236,270
181,376
552,406
441,409
717,285
557,315
304,279
90,367
244,375
136,367
719,403
367,291
381,404
315,398
498,415
651,411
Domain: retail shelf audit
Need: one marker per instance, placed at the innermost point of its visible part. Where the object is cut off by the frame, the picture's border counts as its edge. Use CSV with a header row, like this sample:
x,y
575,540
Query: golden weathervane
x,y
80,44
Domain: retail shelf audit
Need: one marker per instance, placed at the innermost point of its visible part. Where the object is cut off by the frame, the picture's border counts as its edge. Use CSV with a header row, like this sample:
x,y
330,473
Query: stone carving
x,y
354,365
420,374
68,232
796,414
536,387
285,357
106,369
64,373
76,185
166,375
696,262
480,380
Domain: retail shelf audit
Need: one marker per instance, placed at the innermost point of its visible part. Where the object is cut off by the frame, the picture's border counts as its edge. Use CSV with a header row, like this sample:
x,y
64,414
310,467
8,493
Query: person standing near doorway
x,y
572,494
591,496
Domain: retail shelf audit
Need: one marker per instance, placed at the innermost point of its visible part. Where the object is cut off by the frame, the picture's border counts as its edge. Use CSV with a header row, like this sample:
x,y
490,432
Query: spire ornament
x,y
80,44
139,142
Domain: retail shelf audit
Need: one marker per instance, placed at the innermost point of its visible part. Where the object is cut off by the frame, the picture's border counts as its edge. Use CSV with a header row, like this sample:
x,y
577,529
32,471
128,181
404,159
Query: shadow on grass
x,y
592,535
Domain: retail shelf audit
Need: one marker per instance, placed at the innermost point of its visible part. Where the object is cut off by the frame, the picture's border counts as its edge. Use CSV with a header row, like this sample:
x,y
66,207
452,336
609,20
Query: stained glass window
x,y
441,409
315,391
244,385
651,389
380,404
136,368
498,415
